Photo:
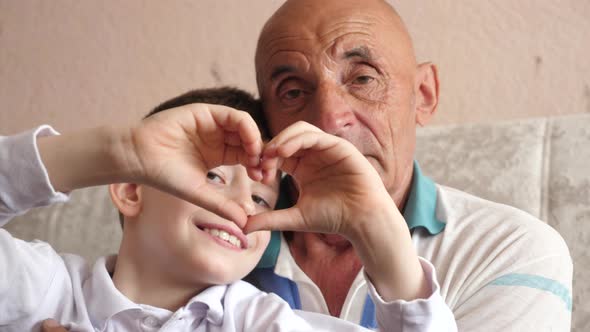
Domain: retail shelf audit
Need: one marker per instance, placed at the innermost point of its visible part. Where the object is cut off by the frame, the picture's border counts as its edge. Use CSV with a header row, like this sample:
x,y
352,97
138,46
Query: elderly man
x,y
348,67
344,69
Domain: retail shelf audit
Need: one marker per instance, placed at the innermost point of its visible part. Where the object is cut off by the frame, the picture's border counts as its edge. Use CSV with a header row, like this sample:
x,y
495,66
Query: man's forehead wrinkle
x,y
332,30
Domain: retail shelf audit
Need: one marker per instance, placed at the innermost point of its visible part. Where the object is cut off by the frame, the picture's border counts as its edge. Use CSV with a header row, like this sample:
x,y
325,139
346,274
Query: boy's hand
x,y
170,150
175,149
337,185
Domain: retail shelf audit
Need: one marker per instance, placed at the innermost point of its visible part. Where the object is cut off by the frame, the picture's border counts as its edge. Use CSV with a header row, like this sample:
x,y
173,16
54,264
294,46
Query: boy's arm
x,y
27,270
171,151
24,183
163,151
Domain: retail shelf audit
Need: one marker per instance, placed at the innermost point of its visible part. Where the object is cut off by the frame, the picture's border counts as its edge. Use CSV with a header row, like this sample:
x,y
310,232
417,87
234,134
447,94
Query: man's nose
x,y
333,113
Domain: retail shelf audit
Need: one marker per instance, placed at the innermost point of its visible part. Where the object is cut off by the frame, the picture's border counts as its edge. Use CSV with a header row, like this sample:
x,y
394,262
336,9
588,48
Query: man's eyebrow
x,y
279,70
362,52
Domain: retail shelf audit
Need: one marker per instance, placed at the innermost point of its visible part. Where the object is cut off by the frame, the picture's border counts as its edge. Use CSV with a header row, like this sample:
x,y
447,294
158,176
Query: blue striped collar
x,y
419,211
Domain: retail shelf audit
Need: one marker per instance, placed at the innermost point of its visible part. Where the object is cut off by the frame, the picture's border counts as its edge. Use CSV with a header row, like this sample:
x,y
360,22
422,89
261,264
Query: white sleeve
x,y
430,314
26,269
528,287
24,182
269,313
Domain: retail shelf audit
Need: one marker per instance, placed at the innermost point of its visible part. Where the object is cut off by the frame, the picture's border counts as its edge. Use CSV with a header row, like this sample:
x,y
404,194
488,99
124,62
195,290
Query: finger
x,y
255,173
50,325
293,130
289,219
270,164
241,123
208,198
232,139
217,124
316,141
269,176
234,155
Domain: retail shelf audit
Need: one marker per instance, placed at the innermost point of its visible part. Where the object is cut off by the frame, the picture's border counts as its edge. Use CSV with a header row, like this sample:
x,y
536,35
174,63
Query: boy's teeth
x,y
225,236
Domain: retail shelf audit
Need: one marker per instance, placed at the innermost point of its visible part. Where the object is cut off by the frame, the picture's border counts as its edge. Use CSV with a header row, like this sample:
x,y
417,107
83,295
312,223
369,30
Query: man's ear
x,y
127,198
426,92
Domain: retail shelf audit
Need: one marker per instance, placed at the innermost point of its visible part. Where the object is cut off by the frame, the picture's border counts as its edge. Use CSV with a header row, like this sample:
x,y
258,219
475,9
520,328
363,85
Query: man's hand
x,y
337,185
340,192
50,325
171,151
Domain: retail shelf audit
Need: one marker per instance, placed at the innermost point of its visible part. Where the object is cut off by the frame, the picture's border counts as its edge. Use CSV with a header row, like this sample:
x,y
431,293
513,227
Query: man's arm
x,y
519,277
340,192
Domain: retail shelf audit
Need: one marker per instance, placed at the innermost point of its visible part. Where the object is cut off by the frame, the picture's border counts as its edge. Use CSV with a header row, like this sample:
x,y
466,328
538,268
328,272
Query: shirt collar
x,y
420,208
104,299
419,211
210,299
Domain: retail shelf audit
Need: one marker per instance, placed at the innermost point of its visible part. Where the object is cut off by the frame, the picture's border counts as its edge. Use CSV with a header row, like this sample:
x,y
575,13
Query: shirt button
x,y
151,321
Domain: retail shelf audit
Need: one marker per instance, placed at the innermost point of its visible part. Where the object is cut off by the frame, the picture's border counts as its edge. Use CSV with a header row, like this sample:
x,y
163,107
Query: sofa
x,y
541,166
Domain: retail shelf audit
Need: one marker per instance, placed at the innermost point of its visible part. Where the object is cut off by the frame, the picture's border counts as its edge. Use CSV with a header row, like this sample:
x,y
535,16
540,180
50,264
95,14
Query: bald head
x,y
348,67
314,19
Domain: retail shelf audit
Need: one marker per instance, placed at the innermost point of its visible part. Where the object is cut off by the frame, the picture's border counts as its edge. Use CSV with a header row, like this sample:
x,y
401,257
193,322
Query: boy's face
x,y
196,246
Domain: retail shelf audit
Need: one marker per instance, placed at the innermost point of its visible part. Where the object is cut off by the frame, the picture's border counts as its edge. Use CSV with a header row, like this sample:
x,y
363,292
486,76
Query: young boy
x,y
179,265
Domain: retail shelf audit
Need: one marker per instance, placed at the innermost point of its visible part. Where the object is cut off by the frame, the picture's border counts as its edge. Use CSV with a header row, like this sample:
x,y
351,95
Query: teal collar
x,y
420,211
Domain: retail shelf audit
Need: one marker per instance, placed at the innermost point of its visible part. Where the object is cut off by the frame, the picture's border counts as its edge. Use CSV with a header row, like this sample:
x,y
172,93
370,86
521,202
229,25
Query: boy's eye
x,y
260,201
214,177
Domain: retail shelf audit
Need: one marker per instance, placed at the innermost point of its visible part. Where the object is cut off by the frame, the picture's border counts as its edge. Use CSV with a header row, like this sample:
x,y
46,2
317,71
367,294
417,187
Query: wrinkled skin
x,y
348,68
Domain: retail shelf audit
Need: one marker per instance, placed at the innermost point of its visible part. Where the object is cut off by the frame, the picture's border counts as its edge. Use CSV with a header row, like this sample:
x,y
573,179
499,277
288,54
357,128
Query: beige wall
x,y
85,63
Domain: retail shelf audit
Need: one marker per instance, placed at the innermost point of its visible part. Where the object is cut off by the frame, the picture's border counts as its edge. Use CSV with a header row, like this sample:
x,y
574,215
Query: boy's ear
x,y
127,198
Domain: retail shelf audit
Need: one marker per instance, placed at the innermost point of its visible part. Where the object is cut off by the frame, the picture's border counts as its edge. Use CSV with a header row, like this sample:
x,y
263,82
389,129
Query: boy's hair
x,y
226,96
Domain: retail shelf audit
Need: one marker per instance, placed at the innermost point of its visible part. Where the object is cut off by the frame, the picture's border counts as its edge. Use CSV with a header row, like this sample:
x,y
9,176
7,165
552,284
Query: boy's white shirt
x,y
37,283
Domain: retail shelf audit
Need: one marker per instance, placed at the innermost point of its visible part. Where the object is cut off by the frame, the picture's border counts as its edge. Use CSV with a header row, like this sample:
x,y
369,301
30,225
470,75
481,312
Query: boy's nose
x,y
248,206
245,202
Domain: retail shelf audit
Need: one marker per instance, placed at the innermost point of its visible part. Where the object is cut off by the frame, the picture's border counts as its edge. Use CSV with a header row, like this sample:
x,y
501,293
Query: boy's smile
x,y
225,235
171,241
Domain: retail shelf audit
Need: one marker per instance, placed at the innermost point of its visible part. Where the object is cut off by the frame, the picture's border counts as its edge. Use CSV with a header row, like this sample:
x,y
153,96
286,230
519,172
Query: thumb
x,y
289,219
50,325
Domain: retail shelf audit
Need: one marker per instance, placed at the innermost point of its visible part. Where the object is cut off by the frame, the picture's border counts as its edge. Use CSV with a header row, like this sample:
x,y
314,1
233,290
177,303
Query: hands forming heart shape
x,y
337,184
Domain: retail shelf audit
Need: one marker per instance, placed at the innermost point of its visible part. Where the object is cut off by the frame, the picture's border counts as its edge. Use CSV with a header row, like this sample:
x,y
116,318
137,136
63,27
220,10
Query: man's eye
x,y
260,201
293,94
214,177
363,80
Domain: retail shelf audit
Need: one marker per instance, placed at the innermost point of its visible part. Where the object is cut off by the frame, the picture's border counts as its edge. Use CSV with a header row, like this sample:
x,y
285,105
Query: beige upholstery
x,y
541,166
